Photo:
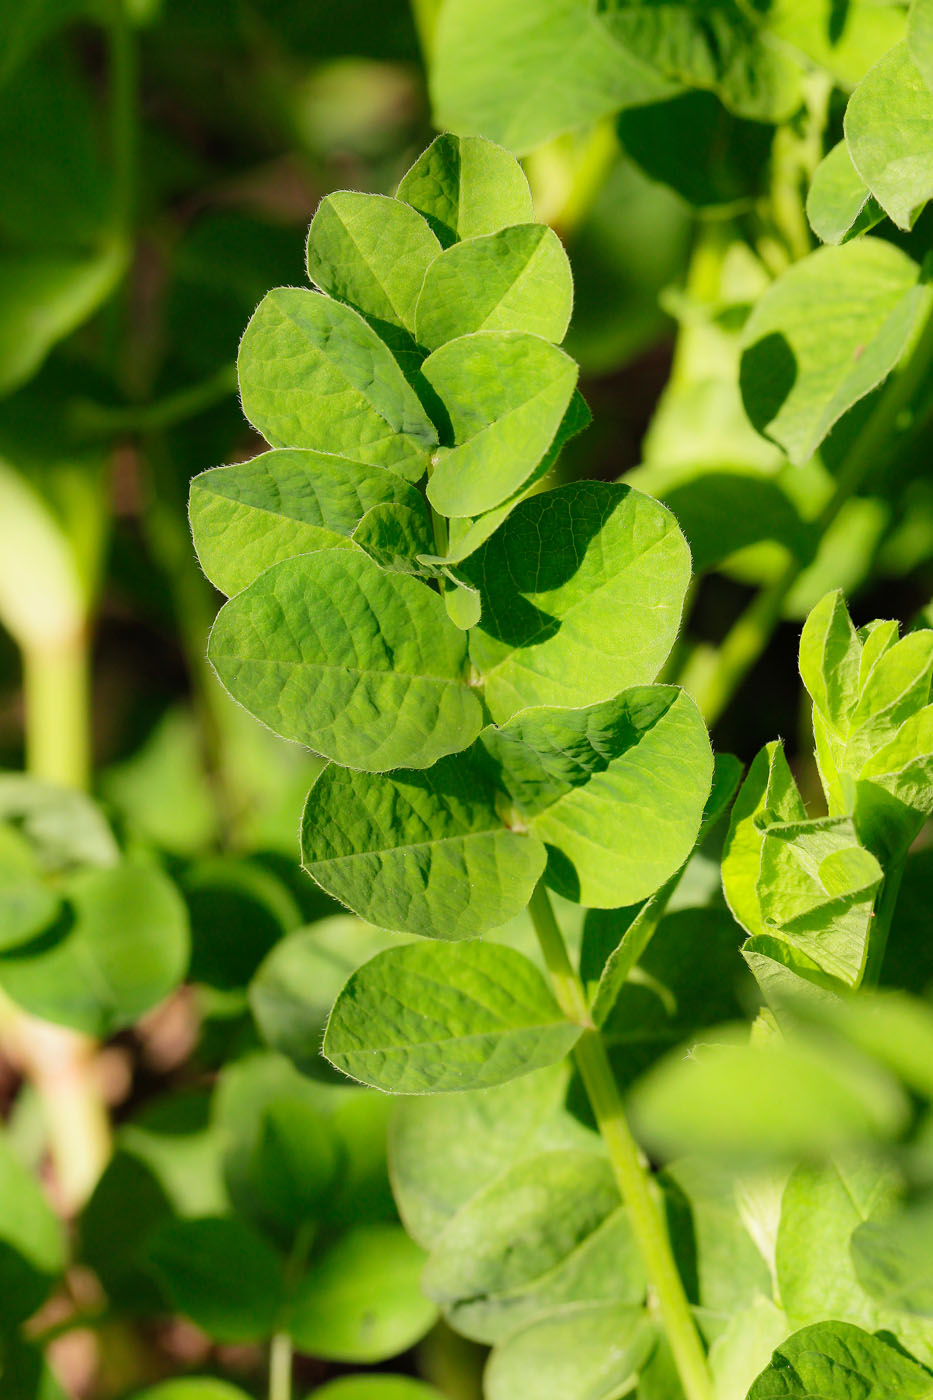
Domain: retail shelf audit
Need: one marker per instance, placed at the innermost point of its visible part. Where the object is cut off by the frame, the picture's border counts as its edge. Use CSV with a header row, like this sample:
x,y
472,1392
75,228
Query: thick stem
x,y
280,1367
632,1177
749,636
56,680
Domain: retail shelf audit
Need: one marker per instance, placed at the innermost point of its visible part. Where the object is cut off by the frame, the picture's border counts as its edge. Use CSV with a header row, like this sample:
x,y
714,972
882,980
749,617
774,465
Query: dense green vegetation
x,y
578,462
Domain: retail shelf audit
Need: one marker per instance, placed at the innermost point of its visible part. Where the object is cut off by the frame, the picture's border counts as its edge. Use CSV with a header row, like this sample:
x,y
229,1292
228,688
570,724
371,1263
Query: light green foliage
x,y
827,332
438,1016
27,904
250,516
712,44
32,1244
377,1388
295,1163
840,1362
548,1232
616,791
361,665
361,1301
889,130
920,38
120,948
590,1352
517,279
443,1151
846,42
507,394
768,794
222,1274
773,1100
839,204
314,374
372,253
582,592
422,852
894,1259
466,187
192,1388
520,75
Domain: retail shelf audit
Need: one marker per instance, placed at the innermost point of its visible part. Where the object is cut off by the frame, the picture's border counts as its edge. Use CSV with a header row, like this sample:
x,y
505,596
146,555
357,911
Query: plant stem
x,y
750,634
56,695
280,1367
90,420
633,1179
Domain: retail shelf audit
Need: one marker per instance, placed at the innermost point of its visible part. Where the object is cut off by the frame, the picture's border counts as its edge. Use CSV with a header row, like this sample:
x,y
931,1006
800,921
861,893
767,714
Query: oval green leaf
x,y
466,186
889,131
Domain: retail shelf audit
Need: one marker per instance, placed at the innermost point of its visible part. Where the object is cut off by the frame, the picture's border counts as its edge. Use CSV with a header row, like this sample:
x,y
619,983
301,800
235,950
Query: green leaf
x,y
445,1149
27,904
192,1388
894,1259
836,1361
521,76
839,203
768,794
295,1164
122,947
777,1099
616,791
507,394
465,187
32,1243
830,659
362,1301
585,1352
363,666
920,38
826,333
314,374
582,591
518,279
889,129
548,1232
221,1274
710,44
27,24
846,42
376,1388
372,253
295,987
422,852
249,516
429,1017
64,828
464,606
396,535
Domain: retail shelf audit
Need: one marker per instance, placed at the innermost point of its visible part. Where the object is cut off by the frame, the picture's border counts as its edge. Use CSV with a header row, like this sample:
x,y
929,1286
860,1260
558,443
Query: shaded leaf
x,y
585,1352
889,131
221,1274
839,204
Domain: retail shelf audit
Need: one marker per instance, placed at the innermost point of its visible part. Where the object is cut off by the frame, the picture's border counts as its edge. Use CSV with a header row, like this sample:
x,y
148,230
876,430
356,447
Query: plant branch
x,y
89,420
751,633
633,1179
280,1367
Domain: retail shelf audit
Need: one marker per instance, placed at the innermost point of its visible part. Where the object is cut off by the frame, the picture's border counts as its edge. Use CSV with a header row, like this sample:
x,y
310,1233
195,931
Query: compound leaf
x,y
826,333
363,666
507,394
616,791
582,590
249,516
422,852
372,253
314,374
889,131
518,279
428,1017
465,186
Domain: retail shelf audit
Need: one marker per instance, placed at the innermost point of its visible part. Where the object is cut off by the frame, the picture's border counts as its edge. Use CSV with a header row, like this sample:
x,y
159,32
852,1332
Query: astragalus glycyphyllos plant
x,y
476,658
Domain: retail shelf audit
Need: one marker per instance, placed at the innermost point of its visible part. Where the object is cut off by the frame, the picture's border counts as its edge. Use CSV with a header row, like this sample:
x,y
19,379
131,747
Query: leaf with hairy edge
x,y
249,516
547,1233
518,279
826,333
372,253
522,74
421,852
429,1017
465,186
314,374
616,791
587,1351
582,591
507,394
711,44
889,131
363,666
839,203
836,1361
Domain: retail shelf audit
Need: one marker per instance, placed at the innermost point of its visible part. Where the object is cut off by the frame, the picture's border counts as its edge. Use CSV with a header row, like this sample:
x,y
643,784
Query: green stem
x,y
56,692
750,634
633,1179
280,1367
90,420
